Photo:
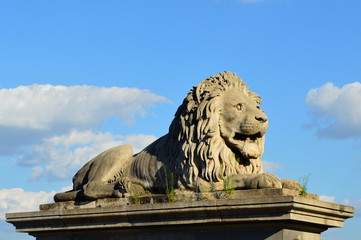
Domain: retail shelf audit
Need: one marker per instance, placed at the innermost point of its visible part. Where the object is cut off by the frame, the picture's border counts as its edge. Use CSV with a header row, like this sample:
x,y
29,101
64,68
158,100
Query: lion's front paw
x,y
291,184
122,188
265,180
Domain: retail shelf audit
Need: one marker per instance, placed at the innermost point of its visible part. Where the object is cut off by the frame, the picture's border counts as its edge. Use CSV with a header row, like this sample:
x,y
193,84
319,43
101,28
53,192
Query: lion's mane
x,y
202,153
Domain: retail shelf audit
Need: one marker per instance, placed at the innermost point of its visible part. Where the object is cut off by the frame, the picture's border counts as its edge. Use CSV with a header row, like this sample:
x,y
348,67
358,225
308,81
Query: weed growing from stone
x,y
228,186
303,183
169,185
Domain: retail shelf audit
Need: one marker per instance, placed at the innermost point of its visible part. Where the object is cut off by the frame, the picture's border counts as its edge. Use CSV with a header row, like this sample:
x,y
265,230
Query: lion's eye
x,y
258,107
240,106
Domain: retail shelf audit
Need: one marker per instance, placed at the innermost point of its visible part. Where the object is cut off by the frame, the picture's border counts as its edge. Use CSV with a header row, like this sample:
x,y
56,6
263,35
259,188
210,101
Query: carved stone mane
x,y
196,128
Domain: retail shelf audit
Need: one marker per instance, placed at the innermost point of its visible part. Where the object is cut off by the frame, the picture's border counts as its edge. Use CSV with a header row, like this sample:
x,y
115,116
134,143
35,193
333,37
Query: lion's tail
x,y
67,196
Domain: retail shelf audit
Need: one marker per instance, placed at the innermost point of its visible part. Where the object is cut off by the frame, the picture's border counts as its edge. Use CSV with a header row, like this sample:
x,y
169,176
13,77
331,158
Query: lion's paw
x,y
265,180
291,184
122,188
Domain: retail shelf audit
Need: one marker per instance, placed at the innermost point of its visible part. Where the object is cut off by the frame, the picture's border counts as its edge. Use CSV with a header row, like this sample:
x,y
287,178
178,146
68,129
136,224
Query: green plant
x,y
135,195
169,185
217,194
228,186
303,184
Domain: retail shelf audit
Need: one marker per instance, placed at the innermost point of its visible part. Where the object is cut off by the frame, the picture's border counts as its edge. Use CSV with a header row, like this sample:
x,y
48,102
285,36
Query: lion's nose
x,y
262,118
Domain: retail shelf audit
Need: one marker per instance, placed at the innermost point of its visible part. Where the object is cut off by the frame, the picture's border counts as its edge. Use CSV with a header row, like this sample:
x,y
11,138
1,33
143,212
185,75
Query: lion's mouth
x,y
248,145
248,138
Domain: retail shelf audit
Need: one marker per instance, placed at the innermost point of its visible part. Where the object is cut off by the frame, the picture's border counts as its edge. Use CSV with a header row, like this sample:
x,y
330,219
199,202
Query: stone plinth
x,y
251,214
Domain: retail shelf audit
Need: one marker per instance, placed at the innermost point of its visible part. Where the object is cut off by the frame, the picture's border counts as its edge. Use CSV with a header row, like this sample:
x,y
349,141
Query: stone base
x,y
250,214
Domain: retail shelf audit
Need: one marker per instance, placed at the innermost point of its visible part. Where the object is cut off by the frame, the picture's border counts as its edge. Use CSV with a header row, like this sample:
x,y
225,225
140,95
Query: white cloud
x,y
59,157
37,171
46,106
18,200
327,198
66,188
30,113
270,167
336,112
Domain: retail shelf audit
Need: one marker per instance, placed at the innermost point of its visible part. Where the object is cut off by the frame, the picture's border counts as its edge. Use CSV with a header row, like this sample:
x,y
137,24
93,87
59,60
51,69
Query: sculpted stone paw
x,y
118,194
291,184
123,185
265,180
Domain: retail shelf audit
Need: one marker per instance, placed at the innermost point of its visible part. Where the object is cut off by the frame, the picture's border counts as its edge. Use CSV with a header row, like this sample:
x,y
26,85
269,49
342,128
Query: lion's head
x,y
220,127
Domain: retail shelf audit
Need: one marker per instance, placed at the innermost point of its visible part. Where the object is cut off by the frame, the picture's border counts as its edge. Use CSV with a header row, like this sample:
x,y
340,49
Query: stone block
x,y
251,214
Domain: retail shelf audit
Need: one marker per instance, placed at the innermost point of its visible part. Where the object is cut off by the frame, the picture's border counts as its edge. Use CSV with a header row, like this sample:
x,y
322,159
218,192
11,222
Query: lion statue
x,y
217,134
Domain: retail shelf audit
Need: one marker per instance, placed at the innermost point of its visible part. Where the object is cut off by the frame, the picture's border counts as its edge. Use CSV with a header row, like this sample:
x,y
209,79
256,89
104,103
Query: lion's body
x,y
217,133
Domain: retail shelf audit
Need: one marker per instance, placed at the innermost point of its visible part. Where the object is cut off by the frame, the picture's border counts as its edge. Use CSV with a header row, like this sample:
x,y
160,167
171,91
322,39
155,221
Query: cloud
x,y
18,200
270,167
43,107
36,172
59,157
336,112
327,198
30,113
66,188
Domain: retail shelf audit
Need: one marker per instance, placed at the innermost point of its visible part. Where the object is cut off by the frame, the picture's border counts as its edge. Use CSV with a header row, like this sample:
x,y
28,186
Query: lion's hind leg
x,y
100,179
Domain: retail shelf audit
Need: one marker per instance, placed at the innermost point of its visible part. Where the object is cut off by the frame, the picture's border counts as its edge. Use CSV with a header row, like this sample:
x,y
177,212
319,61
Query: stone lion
x,y
217,135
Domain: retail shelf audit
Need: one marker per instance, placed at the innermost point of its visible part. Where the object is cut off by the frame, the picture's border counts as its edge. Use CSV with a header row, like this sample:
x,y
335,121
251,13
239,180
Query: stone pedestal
x,y
250,214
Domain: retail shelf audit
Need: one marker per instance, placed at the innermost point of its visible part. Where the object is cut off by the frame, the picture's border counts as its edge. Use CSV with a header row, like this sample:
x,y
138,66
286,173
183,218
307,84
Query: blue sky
x,y
78,77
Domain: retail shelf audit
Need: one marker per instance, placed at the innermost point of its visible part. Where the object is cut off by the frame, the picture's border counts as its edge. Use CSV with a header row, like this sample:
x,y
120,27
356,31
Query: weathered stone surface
x,y
216,138
184,197
259,214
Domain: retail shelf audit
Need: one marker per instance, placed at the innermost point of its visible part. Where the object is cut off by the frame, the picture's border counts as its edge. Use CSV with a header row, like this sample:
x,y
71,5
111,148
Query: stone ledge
x,y
187,197
274,212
